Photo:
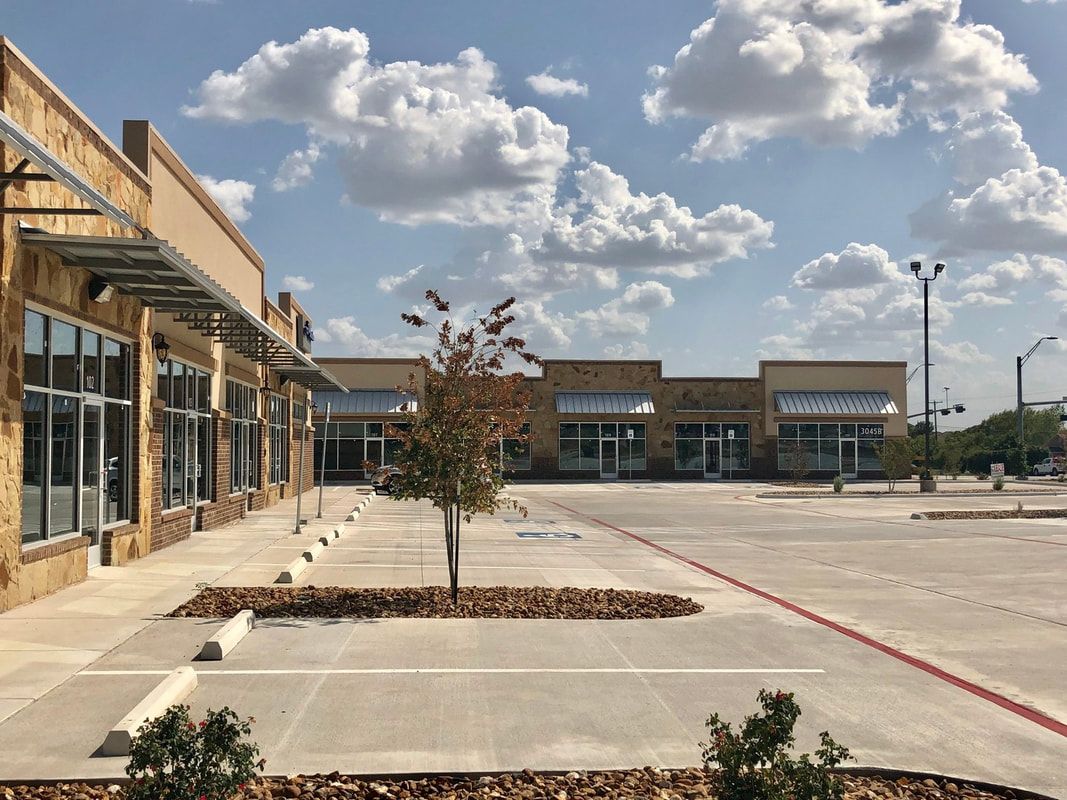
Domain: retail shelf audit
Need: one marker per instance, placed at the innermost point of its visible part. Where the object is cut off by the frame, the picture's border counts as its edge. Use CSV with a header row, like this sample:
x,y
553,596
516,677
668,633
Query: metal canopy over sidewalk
x,y
53,169
839,402
163,279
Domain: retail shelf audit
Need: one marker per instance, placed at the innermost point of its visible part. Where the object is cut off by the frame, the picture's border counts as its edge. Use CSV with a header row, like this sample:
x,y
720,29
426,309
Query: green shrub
x,y
982,476
755,762
998,484
173,758
839,484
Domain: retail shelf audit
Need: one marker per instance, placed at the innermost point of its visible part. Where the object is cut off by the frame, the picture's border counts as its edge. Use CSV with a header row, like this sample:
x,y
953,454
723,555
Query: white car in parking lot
x,y
1046,467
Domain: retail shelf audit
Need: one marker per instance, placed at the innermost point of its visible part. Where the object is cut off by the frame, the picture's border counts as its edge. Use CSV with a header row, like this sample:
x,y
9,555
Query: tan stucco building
x,y
148,388
612,419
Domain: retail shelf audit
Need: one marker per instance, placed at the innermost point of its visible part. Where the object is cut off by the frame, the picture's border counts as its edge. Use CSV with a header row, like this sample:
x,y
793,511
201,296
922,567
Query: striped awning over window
x,y
841,403
604,403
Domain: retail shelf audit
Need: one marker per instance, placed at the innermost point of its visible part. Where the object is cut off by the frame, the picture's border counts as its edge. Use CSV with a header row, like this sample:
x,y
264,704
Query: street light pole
x,y
926,482
1019,361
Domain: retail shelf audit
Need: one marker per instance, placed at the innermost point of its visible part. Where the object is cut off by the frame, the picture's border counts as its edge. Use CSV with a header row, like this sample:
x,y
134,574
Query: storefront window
x,y
830,447
580,445
278,429
34,415
64,342
708,447
91,362
514,454
347,445
186,433
241,402
75,470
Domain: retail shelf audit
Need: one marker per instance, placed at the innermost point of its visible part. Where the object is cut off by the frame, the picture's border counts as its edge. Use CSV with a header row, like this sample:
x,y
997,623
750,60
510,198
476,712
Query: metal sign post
x,y
300,470
730,436
629,454
322,468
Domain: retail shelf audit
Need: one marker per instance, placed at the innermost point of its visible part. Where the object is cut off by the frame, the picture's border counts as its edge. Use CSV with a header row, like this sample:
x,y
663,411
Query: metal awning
x,y
836,402
366,401
163,279
55,169
604,403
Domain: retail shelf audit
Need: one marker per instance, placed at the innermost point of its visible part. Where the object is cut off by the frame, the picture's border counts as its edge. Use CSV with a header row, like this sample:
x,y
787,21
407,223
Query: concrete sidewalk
x,y
45,643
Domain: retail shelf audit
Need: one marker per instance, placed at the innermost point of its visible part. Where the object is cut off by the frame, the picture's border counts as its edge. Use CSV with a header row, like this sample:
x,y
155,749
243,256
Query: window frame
x,y
80,395
587,427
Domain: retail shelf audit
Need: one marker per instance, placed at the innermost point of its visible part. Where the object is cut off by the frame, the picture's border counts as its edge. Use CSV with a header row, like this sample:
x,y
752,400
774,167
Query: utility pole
x,y
1020,406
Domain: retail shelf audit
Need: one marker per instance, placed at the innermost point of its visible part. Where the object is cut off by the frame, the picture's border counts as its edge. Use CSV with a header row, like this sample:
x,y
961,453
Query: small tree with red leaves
x,y
467,401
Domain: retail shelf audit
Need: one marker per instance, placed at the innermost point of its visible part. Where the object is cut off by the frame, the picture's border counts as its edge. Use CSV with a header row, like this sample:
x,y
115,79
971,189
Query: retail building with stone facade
x,y
148,388
595,419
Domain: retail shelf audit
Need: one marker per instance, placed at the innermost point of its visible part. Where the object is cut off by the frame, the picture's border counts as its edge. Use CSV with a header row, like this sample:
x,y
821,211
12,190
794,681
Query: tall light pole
x,y
1019,361
926,482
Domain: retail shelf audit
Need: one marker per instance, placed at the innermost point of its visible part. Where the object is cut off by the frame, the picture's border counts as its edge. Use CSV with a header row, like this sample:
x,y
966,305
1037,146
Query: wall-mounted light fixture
x,y
159,344
100,291
265,388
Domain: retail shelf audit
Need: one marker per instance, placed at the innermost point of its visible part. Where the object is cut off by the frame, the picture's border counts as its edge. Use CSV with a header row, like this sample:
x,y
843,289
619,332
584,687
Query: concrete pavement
x,y
978,600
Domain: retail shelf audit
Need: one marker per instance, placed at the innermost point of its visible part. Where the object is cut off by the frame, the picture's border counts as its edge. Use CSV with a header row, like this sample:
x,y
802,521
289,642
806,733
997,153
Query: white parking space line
x,y
474,671
465,567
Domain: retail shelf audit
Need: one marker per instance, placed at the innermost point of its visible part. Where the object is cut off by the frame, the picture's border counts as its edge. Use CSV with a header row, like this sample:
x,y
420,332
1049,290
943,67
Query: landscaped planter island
x,y
656,784
493,602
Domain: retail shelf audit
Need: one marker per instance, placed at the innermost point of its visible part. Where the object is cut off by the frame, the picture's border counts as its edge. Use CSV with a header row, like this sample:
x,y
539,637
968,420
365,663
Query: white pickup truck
x,y
1046,467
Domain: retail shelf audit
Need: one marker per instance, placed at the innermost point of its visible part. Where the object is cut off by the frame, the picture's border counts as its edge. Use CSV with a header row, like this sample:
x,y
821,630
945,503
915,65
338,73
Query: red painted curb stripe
x,y
1030,714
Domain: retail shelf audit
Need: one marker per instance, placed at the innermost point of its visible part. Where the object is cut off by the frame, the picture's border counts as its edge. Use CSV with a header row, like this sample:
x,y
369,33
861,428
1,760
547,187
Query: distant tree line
x,y
993,440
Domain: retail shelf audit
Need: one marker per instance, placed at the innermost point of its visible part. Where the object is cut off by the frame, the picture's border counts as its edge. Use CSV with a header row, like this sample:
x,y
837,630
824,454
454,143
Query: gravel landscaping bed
x,y
1026,513
685,784
510,602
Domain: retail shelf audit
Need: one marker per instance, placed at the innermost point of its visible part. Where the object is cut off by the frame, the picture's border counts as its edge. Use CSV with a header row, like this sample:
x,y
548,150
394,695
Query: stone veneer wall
x,y
668,394
27,274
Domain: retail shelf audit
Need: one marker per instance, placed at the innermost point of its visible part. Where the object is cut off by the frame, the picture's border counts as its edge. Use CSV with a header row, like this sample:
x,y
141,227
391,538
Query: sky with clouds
x,y
709,183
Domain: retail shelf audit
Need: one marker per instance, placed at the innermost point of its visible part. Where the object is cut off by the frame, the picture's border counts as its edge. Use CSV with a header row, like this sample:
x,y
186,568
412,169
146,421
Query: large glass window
x,y
579,445
34,417
62,474
241,402
818,445
186,433
347,445
694,440
514,454
64,346
278,435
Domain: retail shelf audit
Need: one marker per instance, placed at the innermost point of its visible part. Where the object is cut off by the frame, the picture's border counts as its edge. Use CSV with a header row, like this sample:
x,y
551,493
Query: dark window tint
x,y
64,474
36,365
64,356
34,411
117,369
684,430
90,362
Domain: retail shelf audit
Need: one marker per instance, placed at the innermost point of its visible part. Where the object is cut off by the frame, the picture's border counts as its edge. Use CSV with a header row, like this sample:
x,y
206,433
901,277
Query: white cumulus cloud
x,y
296,168
548,84
298,283
630,312
856,266
609,226
418,142
233,196
831,72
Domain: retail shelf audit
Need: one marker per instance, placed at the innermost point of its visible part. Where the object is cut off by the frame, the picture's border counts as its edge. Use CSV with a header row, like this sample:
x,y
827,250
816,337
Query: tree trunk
x,y
448,546
455,559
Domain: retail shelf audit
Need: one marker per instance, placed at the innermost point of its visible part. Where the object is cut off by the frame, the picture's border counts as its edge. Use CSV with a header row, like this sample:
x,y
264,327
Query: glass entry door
x,y
609,458
848,458
93,478
712,458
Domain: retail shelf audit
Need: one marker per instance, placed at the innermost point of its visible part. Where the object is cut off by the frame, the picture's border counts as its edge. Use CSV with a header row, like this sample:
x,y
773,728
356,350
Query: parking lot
x,y
921,645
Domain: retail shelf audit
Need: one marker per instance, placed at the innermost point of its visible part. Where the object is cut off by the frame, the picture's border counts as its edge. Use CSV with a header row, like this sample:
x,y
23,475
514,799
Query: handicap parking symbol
x,y
546,535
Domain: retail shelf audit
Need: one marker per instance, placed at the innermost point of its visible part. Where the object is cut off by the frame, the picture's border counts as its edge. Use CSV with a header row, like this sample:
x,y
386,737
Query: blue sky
x,y
759,195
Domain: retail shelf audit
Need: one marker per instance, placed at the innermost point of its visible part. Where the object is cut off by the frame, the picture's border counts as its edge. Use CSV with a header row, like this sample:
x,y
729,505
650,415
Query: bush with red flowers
x,y
174,758
755,763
